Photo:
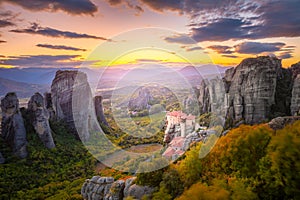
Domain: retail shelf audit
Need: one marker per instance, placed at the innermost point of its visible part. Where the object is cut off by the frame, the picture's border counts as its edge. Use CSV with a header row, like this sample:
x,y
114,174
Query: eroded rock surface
x,y
99,110
295,102
13,129
140,102
280,122
72,101
39,117
105,188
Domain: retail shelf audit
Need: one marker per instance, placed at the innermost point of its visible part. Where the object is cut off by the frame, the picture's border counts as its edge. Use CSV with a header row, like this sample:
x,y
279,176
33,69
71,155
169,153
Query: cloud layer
x,y
51,32
59,47
41,61
73,7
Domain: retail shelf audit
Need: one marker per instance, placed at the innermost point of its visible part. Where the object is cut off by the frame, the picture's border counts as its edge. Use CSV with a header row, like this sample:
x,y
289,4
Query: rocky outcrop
x,y
49,105
252,89
212,97
256,90
39,117
140,102
280,122
72,101
295,101
13,129
105,188
99,110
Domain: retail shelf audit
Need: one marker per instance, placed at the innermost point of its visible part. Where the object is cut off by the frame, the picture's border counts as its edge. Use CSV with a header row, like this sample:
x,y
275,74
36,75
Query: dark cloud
x,y
279,19
194,48
180,38
230,56
2,41
285,55
258,47
60,47
51,32
159,5
41,61
7,17
221,49
5,23
221,20
74,7
222,30
114,2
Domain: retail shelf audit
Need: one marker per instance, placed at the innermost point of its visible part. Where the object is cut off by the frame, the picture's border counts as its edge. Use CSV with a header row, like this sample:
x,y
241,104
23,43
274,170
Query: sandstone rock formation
x,y
140,102
39,117
99,110
105,188
295,101
13,129
280,122
72,101
256,90
49,105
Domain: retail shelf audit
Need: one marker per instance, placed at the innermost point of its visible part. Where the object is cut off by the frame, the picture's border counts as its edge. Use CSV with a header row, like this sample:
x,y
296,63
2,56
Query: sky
x,y
68,33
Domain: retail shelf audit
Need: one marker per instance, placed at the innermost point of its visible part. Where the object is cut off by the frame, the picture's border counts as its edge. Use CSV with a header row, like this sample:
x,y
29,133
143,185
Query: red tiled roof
x,y
177,142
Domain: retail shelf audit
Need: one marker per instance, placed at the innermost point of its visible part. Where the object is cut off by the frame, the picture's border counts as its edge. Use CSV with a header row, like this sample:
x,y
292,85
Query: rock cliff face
x,y
295,102
141,102
49,105
256,90
39,117
13,129
72,101
105,188
99,110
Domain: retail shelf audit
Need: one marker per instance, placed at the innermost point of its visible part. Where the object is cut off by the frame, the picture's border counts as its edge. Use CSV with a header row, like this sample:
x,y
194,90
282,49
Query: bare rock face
x,y
280,122
72,101
2,159
97,188
141,102
99,110
252,89
295,102
40,119
49,105
13,129
105,188
256,90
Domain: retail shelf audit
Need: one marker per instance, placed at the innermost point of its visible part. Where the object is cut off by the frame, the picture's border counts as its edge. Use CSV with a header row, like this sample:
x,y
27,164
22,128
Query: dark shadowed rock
x,y
295,102
13,129
2,159
49,105
39,117
72,101
252,89
99,110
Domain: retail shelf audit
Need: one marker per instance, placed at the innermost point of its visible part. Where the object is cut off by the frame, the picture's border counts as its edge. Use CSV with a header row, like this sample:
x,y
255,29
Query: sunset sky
x,y
63,33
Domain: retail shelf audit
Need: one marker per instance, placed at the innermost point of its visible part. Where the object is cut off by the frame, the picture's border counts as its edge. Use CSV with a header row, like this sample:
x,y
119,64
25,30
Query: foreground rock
x,y
99,110
13,129
72,101
49,105
105,188
280,122
39,117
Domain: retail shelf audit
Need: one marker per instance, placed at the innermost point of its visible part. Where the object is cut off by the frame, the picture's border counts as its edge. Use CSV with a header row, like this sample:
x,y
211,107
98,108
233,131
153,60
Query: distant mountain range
x,y
22,89
26,81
